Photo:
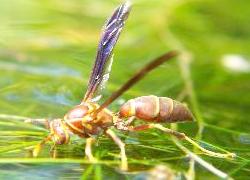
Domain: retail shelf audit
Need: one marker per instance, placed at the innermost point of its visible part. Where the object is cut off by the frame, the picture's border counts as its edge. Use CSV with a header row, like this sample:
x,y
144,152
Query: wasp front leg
x,y
39,146
38,122
121,145
53,151
88,149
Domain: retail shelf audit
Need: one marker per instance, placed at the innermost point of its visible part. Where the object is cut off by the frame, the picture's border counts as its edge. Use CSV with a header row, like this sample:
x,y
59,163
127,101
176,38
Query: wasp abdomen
x,y
156,109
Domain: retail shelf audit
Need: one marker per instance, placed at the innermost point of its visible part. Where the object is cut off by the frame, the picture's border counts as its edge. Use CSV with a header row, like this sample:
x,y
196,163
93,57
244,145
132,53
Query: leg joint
x,y
122,144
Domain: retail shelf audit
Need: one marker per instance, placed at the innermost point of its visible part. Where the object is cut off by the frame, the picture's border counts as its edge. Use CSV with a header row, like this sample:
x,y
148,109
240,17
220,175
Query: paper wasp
x,y
89,118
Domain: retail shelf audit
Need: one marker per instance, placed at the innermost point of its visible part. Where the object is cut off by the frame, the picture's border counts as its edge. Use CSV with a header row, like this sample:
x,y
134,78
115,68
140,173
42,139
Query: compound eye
x,y
77,112
60,134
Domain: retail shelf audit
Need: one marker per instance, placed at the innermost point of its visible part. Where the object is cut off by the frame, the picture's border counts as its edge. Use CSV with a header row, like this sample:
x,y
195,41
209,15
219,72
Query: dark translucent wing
x,y
137,77
109,37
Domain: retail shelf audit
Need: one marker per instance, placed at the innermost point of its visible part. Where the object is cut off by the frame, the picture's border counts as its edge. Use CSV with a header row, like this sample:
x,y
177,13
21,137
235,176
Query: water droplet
x,y
236,63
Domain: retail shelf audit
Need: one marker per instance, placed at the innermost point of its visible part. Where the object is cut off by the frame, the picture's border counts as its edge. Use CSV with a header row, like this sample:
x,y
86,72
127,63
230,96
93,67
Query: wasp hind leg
x,y
117,140
184,137
130,121
88,149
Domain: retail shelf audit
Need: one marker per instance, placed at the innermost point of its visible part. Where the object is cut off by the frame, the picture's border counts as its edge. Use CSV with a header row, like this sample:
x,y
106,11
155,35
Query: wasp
x,y
89,118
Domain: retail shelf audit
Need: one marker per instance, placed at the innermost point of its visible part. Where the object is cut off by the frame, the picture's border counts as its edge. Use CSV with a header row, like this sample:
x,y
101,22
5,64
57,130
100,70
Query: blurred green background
x,y
47,49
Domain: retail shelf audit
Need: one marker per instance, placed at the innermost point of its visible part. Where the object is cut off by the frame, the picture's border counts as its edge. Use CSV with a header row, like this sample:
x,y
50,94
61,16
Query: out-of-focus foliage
x,y
47,50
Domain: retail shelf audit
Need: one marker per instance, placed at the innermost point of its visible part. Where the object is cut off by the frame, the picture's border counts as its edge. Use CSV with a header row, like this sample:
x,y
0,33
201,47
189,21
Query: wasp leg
x,y
38,122
123,125
88,149
183,136
117,140
39,146
129,121
53,151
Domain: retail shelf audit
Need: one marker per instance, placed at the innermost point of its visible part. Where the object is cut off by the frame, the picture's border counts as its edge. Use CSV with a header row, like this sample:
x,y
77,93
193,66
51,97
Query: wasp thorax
x,y
77,112
79,118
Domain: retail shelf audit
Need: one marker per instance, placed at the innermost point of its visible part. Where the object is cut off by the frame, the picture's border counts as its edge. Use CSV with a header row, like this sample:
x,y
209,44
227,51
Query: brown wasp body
x,y
82,122
89,118
156,109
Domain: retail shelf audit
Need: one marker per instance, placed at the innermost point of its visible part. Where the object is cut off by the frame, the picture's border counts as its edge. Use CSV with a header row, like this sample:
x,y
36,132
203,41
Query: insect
x,y
89,118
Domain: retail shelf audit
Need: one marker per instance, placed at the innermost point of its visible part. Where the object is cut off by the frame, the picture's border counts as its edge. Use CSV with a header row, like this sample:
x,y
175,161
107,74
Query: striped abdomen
x,y
156,109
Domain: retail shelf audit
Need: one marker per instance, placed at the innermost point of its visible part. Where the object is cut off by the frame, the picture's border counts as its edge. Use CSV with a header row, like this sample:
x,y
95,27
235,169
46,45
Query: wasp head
x,y
59,132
